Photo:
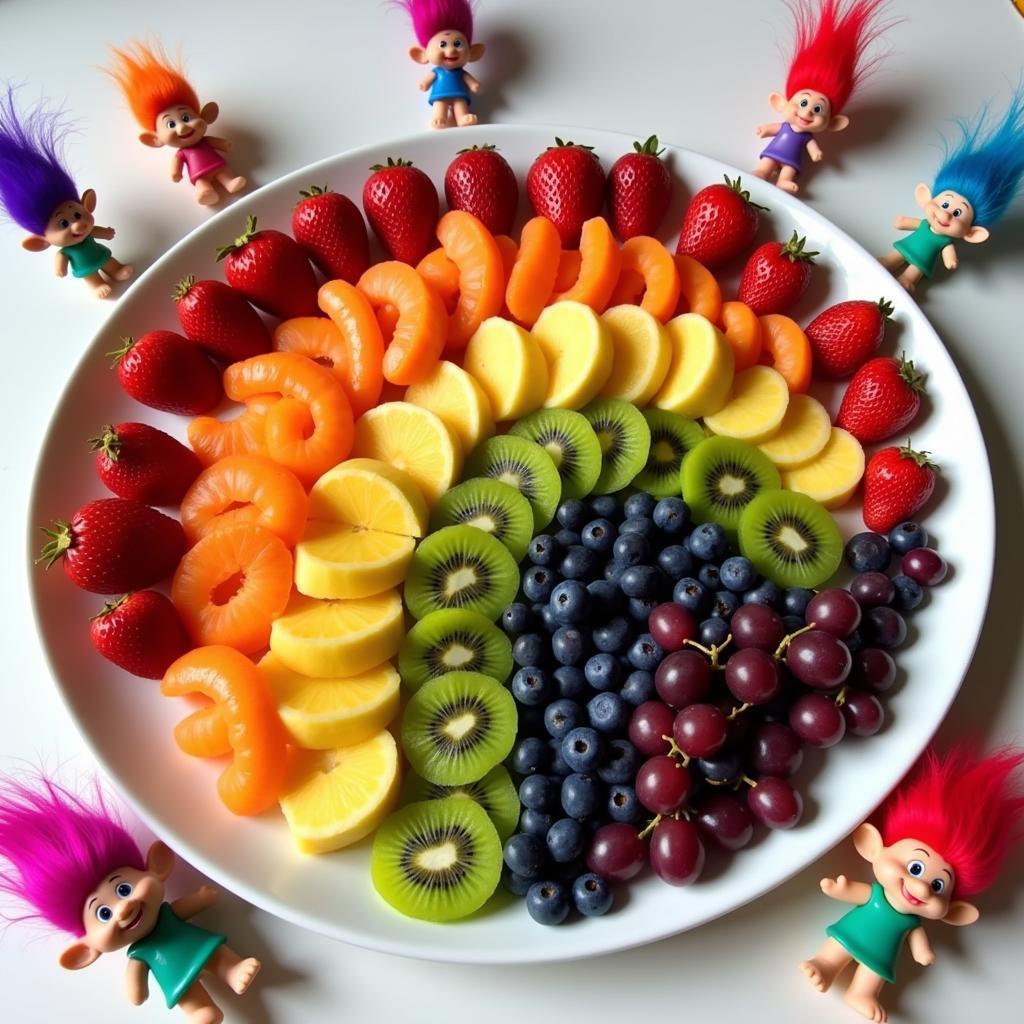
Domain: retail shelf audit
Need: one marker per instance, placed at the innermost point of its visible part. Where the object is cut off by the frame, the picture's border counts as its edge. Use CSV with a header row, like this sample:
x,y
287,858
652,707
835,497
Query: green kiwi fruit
x,y
573,446
625,440
461,567
791,539
453,640
495,793
672,436
721,476
491,506
457,727
526,467
437,860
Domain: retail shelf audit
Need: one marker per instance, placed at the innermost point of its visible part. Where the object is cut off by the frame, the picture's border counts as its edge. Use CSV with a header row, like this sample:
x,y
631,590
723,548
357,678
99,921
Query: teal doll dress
x,y
922,248
86,257
176,952
873,933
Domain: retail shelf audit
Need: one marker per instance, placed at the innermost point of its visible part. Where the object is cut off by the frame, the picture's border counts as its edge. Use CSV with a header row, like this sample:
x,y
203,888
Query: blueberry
x,y
535,823
579,563
571,602
723,768
518,618
638,688
641,526
675,561
709,576
713,631
630,549
515,884
530,649
526,855
795,600
605,598
538,793
539,581
592,895
639,504
641,581
791,623
854,641
532,686
603,506
558,766
645,653
569,646
671,515
907,536
602,671
883,627
562,716
547,902
613,572
640,608
608,713
581,795
765,592
613,636
547,617
738,573
572,514
909,593
868,552
599,535
567,538
620,762
708,542
531,755
566,839
724,603
691,594
544,550
623,804
570,681
582,748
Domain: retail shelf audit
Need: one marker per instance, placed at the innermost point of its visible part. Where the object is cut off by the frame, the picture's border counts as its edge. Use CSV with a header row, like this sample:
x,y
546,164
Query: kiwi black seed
x,y
491,506
672,438
625,440
495,793
572,444
523,465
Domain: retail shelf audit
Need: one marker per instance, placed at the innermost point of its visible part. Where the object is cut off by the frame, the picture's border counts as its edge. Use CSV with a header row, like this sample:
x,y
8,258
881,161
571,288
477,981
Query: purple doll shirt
x,y
787,147
200,160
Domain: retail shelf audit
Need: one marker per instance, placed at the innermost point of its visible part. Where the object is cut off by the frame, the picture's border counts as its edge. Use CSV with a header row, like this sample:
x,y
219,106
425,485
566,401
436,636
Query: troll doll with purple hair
x,y
76,867
39,195
444,30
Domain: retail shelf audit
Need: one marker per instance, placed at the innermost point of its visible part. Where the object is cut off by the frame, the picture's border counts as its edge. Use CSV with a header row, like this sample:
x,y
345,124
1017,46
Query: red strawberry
x,y
897,482
481,182
166,372
140,633
270,269
139,462
218,319
639,190
776,276
112,545
719,224
847,335
566,185
881,400
331,229
401,204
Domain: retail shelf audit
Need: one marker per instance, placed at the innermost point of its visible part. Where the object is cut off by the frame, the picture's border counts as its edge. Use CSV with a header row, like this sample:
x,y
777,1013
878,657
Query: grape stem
x,y
674,751
787,640
713,651
841,696
650,827
738,711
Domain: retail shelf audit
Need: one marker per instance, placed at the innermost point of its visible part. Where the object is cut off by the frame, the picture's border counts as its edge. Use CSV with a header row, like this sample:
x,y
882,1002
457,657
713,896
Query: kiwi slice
x,y
672,437
491,506
438,860
461,567
453,640
495,793
573,446
625,440
525,466
791,539
457,727
721,476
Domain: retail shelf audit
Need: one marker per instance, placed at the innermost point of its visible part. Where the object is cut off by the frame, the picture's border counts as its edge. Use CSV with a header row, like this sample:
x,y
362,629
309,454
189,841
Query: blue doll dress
x,y
449,85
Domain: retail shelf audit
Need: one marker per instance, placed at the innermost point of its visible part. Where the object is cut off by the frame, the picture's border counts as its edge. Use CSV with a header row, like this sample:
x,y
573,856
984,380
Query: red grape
x,y
884,627
727,820
872,589
700,730
677,854
835,611
775,803
752,676
817,721
775,750
874,669
757,625
663,784
819,659
648,724
616,852
863,712
924,565
683,677
670,624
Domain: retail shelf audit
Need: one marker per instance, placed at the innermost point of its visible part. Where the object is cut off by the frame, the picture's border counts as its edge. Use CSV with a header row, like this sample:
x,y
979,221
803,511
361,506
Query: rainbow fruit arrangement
x,y
573,435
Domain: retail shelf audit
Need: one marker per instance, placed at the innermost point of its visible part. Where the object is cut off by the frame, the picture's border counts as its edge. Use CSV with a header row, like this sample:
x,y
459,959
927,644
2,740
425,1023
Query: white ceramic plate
x,y
127,724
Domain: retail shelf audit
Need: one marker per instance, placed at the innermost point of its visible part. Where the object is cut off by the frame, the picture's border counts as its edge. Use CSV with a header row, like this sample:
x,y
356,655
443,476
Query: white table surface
x,y
299,81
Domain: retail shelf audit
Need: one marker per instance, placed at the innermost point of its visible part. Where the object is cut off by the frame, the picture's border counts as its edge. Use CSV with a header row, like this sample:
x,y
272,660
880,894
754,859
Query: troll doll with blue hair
x,y
973,189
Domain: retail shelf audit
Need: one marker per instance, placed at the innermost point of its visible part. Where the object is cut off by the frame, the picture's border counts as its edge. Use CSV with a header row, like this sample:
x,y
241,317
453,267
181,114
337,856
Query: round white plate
x,y
127,724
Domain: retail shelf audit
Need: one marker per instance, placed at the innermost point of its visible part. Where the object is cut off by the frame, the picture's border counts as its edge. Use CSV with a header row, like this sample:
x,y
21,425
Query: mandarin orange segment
x,y
698,290
211,439
255,778
600,263
472,248
534,274
387,320
742,330
422,327
569,262
647,259
313,431
231,585
509,251
785,346
442,275
204,733
243,489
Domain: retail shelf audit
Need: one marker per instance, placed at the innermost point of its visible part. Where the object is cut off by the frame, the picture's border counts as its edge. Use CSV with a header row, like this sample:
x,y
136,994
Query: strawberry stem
x,y
314,190
912,377
127,343
648,148
922,458
885,307
794,250
559,144
392,162
487,147
737,187
58,544
108,443
109,607
183,287
241,241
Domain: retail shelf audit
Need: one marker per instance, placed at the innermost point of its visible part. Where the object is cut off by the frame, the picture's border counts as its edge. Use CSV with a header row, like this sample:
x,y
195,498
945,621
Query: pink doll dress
x,y
201,160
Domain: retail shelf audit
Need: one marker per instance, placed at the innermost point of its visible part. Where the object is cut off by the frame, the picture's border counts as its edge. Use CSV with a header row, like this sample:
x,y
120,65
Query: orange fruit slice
x,y
646,260
742,330
211,439
532,279
698,290
442,275
600,263
471,247
785,346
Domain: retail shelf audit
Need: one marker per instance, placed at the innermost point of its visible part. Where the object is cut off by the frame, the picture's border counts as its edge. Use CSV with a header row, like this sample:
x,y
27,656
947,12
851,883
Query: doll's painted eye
x,y
124,890
172,124
457,44
803,103
916,868
185,119
817,108
444,45
65,223
945,204
78,214
938,885
104,914
957,212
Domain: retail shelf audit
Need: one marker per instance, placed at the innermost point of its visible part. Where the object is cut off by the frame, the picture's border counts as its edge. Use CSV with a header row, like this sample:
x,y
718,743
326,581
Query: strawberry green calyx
x,y
58,544
109,443
922,458
885,307
912,377
240,242
487,147
736,184
183,287
794,250
648,148
392,162
559,144
127,344
314,190
109,607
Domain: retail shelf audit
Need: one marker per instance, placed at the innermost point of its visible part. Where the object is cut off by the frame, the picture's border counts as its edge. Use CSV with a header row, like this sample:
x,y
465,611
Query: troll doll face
x,y
70,223
180,126
916,878
808,111
122,908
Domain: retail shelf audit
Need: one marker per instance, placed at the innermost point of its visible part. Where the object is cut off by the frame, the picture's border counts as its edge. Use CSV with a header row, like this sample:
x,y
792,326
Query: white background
x,y
300,81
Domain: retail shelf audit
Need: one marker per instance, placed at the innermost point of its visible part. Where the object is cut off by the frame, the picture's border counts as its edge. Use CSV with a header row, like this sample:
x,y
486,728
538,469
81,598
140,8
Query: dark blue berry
x,y
639,504
515,884
531,755
691,594
547,617
569,646
605,599
675,561
582,748
518,618
530,649
765,592
909,593
671,515
547,902
638,526
603,506
599,535
883,627
581,795
737,573
532,686
609,713
640,608
571,682
539,581
592,895
613,636
724,603
562,716
713,631
558,766
854,641
535,823
613,572
566,838
723,768
602,671
644,653
620,762
544,550
573,515
623,804
567,539
791,623
571,602
630,549
907,536
638,687
868,552
641,581
578,563
526,855
795,600
539,793
708,542
709,576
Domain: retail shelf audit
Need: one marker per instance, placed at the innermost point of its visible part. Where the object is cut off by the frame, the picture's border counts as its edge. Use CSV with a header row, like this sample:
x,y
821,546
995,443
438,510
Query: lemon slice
x,y
642,353
577,347
832,476
508,364
371,494
337,561
460,402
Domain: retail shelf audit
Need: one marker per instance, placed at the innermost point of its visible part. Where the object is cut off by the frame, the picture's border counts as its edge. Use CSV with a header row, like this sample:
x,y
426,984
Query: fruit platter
x,y
528,573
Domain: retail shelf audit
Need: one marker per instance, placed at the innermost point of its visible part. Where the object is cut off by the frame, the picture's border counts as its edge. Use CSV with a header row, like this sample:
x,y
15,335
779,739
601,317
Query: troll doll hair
x,y
33,178
432,16
967,808
150,82
57,845
987,164
828,51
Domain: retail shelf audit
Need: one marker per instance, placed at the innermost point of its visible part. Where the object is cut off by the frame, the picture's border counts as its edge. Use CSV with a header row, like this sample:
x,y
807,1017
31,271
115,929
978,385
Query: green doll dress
x,y
86,257
873,933
922,248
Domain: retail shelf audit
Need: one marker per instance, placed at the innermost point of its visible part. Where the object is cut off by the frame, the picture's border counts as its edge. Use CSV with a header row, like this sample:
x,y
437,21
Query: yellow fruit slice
x,y
833,475
337,561
415,440
459,400
508,364
641,354
701,371
577,346
371,494
338,638
342,795
803,432
757,404
321,714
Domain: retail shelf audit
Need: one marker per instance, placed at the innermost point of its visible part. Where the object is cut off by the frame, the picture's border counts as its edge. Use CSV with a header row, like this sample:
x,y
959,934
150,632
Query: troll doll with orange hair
x,y
169,113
